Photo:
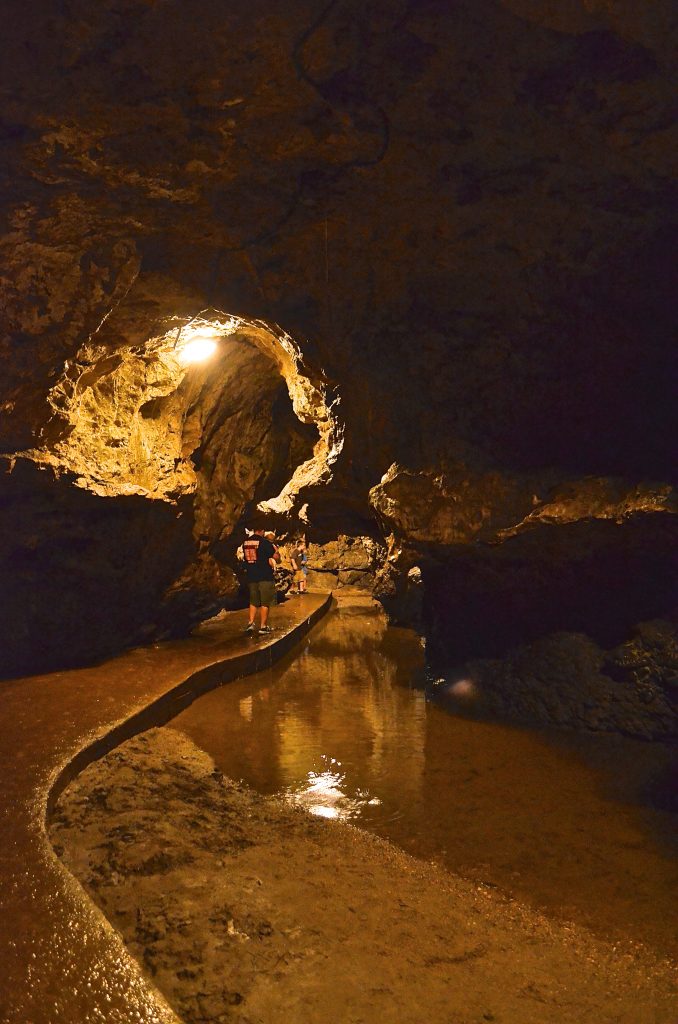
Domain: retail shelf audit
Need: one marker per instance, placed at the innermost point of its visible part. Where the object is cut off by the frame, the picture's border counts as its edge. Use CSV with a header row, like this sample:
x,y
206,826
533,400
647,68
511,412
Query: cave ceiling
x,y
442,228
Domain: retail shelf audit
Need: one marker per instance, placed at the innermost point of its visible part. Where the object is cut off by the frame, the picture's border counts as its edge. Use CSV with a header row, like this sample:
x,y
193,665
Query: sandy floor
x,y
246,910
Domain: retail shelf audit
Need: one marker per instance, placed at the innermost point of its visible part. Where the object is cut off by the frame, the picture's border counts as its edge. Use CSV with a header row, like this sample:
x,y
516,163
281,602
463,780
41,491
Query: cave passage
x,y
582,828
151,457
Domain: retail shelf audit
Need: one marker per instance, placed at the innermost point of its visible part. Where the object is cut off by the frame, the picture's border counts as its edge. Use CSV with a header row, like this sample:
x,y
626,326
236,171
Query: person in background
x,y
286,569
260,557
299,563
270,536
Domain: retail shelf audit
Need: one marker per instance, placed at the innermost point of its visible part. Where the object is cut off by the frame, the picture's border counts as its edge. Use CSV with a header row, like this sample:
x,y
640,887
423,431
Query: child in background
x,y
299,564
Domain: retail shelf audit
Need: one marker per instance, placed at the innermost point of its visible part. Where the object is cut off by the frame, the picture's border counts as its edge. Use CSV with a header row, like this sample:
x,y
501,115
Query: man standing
x,y
260,557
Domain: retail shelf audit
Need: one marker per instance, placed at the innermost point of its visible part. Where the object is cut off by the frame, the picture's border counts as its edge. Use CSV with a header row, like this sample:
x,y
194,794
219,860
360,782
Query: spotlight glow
x,y
198,349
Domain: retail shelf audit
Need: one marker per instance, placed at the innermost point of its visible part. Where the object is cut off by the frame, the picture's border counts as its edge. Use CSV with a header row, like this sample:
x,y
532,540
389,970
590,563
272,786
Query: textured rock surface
x,y
457,213
346,561
459,505
127,517
567,680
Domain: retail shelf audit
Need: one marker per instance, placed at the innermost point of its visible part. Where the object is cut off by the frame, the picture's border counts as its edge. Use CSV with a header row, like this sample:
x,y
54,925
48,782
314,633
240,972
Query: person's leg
x,y
255,602
267,592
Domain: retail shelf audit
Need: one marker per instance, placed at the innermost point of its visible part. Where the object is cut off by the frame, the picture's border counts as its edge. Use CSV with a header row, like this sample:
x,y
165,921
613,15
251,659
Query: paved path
x,y
60,960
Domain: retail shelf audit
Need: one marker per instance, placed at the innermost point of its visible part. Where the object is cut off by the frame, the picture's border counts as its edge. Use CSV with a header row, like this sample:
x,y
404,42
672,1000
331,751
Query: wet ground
x,y
244,909
60,962
580,828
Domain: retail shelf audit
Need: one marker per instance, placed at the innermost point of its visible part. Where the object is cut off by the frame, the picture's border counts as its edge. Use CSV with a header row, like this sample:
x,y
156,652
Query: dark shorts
x,y
262,593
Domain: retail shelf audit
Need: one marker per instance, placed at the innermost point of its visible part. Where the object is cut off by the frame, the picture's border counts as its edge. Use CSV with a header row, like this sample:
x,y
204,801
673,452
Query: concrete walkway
x,y
61,962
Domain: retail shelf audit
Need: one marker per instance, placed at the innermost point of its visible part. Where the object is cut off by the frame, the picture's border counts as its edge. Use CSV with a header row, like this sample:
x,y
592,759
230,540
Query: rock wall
x,y
345,562
567,680
121,529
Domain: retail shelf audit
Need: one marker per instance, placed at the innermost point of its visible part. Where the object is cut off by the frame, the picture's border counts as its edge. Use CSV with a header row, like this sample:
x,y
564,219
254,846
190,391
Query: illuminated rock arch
x,y
123,419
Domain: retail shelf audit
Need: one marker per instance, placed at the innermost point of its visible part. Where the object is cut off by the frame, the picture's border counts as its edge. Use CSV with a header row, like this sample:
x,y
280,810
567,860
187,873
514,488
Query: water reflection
x,y
345,730
325,793
346,700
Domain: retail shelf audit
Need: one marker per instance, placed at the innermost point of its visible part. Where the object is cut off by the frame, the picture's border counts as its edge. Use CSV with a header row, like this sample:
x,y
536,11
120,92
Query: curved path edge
x,y
61,961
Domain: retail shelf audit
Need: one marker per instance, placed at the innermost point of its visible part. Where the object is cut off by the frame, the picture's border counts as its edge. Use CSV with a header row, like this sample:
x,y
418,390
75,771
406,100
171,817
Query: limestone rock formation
x,y
459,505
346,561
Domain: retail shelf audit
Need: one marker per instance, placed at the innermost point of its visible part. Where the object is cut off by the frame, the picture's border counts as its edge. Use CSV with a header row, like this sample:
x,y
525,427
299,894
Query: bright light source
x,y
198,349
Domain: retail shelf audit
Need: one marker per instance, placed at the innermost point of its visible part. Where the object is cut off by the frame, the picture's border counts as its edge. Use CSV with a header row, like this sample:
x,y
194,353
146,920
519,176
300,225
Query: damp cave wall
x,y
462,213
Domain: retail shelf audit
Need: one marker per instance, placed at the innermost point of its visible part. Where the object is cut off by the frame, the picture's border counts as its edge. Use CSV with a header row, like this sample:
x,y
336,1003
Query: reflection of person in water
x,y
299,564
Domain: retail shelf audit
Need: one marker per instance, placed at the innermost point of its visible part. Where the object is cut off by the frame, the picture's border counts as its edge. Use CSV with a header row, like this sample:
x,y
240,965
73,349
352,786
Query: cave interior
x,y
429,246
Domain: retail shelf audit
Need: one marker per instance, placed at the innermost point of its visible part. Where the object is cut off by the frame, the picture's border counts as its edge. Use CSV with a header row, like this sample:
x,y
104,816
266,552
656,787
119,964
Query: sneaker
x,y
265,629
249,628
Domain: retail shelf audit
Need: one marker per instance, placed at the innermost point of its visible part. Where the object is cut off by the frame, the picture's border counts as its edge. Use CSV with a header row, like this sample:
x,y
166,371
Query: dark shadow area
x,y
595,577
65,585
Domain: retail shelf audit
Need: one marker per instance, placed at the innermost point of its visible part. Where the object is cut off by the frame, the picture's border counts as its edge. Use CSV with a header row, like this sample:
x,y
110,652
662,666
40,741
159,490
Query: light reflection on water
x,y
344,729
323,793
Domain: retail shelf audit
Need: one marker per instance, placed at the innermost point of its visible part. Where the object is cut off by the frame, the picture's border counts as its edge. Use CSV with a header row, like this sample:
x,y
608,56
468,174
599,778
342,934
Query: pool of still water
x,y
583,828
